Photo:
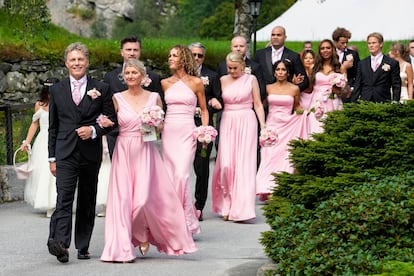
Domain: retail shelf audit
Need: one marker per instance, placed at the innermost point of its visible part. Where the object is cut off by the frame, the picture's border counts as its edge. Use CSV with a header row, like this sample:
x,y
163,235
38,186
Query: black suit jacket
x,y
264,58
211,90
65,116
256,70
376,86
351,72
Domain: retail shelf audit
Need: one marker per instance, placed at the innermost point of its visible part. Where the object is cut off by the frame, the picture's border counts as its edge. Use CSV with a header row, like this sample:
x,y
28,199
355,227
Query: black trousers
x,y
75,171
202,170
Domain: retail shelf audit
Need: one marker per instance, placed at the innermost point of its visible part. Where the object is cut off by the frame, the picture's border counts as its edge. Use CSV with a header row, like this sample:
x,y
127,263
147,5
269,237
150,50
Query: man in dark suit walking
x,y
268,56
377,75
75,151
347,57
130,48
212,90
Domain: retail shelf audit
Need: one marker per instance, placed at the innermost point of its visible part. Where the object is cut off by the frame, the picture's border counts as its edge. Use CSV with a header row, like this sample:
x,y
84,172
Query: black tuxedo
x,y
116,83
376,86
264,58
350,72
202,164
77,161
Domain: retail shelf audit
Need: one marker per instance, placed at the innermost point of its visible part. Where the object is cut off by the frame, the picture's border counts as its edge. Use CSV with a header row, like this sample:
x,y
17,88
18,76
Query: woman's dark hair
x,y
305,52
334,61
44,93
288,65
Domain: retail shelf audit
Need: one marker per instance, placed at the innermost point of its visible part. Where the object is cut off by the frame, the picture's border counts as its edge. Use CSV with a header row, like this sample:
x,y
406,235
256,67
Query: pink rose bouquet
x,y
151,118
318,110
338,80
268,137
205,135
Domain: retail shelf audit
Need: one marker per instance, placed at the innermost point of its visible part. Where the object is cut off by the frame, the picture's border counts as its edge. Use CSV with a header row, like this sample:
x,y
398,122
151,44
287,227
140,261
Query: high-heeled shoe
x,y
144,248
226,218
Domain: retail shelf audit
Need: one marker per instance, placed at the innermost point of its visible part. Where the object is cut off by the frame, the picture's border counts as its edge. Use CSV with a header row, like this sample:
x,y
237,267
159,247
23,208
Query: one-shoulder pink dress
x,y
142,203
289,126
234,176
179,145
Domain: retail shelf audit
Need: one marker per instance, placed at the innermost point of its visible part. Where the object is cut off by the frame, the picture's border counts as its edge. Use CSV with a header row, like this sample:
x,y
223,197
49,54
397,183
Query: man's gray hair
x,y
197,45
79,47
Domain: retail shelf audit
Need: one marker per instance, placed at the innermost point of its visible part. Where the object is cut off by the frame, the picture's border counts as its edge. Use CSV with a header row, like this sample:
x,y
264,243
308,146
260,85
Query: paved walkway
x,y
225,248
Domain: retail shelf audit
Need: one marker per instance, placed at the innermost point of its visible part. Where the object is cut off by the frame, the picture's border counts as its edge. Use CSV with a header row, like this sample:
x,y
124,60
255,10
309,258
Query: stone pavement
x,y
224,248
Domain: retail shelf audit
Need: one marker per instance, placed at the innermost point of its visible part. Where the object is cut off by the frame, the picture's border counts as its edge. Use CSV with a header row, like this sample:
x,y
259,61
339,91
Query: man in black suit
x,y
377,74
347,57
75,151
211,89
268,56
130,48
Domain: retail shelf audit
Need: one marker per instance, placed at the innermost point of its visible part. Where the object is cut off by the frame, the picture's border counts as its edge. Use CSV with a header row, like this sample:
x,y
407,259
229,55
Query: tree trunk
x,y
243,20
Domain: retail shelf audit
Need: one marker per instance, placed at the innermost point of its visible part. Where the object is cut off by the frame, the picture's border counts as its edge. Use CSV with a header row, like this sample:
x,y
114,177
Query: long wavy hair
x,y
334,60
187,59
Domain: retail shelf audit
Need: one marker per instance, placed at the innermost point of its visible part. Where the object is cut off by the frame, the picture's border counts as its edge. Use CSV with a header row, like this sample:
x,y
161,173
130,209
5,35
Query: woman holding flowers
x,y
182,91
142,205
283,124
329,85
234,176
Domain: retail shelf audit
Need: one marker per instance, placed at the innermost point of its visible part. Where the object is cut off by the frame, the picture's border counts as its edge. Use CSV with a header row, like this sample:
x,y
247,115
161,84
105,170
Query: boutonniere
x,y
386,67
248,70
205,80
146,81
93,93
349,57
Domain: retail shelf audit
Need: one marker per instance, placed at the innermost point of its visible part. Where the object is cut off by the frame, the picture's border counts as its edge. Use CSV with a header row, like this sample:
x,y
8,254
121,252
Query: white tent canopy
x,y
317,19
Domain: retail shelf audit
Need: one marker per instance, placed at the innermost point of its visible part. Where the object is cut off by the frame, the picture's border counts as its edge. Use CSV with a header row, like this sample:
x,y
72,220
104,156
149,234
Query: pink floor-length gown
x,y
179,145
321,91
288,126
234,176
142,203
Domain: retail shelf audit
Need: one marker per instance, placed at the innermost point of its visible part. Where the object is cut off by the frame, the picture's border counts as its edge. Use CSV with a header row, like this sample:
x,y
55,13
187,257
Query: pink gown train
x,y
142,204
234,176
288,126
178,146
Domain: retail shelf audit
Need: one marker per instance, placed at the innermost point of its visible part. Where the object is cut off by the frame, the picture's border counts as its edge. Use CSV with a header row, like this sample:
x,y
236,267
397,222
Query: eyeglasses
x,y
198,55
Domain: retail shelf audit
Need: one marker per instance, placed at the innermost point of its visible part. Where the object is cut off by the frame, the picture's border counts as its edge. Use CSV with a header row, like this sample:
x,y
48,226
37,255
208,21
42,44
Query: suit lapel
x,y
268,57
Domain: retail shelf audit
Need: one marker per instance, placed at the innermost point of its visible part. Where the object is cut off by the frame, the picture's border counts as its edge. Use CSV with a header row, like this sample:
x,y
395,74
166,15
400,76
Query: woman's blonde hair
x,y
235,57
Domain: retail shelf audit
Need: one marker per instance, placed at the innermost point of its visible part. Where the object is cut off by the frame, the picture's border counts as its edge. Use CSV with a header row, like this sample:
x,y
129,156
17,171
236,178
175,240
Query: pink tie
x,y
76,94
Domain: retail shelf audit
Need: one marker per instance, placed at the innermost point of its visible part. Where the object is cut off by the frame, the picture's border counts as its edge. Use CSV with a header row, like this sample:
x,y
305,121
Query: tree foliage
x,y
36,18
191,18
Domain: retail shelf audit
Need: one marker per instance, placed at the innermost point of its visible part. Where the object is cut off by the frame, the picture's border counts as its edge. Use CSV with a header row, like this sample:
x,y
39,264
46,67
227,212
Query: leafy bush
x,y
352,233
394,268
365,137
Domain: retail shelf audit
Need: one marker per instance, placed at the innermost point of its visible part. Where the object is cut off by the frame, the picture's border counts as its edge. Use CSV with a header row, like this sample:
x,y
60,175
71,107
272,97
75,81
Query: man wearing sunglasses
x,y
211,89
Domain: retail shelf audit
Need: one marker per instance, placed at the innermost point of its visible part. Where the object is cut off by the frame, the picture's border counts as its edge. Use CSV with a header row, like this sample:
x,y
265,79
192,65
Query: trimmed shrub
x,y
352,233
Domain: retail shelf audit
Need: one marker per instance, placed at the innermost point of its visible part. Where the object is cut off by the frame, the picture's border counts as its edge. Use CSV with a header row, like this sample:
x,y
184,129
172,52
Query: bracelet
x,y
23,142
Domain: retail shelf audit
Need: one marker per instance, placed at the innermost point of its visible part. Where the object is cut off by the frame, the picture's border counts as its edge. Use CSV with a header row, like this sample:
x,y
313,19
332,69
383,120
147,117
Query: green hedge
x,y
350,205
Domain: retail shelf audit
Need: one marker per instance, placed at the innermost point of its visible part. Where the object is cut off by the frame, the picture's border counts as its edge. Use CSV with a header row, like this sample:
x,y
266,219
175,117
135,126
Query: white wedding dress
x,y
40,188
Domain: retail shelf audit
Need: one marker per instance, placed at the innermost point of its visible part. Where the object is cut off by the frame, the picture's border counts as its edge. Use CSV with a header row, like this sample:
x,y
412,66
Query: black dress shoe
x,y
58,250
83,255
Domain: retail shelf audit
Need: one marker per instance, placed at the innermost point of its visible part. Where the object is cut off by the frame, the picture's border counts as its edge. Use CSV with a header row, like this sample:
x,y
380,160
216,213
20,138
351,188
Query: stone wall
x,y
21,82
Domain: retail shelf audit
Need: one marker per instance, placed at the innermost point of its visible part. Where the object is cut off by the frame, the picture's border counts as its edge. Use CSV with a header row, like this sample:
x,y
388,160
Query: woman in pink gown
x,y
182,90
283,98
326,96
142,205
234,176
308,61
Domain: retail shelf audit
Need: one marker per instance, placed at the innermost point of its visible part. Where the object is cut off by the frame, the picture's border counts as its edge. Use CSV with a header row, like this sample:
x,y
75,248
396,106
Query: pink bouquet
x,y
268,137
318,110
205,135
151,118
338,80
